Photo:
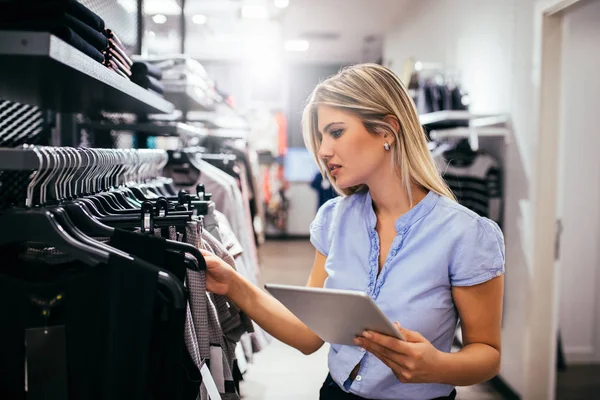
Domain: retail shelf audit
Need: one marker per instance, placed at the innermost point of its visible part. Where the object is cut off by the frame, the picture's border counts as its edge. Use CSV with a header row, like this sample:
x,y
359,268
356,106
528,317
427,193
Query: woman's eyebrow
x,y
328,126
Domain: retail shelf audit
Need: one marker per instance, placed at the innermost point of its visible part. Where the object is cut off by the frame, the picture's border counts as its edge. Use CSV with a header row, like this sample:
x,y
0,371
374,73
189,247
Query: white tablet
x,y
336,316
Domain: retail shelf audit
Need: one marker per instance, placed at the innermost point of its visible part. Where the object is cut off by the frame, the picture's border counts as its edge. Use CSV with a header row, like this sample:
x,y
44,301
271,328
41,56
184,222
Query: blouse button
x,y
358,378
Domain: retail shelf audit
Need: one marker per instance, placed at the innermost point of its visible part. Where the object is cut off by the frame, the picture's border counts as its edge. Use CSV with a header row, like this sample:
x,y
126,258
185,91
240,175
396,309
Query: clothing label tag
x,y
241,358
209,383
216,367
46,356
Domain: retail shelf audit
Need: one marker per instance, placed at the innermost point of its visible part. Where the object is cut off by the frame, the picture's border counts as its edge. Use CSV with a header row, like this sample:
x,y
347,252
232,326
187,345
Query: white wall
x,y
492,43
580,189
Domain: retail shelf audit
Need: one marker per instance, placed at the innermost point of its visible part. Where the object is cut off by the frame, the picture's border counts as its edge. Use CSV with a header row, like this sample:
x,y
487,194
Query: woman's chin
x,y
345,183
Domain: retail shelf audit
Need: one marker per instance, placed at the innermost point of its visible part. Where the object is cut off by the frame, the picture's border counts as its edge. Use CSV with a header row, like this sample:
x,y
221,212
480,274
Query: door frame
x,y
543,308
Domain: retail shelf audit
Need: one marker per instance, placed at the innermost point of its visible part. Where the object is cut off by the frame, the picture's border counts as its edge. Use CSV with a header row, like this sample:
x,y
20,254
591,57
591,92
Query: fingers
x,y
388,342
206,252
382,352
410,336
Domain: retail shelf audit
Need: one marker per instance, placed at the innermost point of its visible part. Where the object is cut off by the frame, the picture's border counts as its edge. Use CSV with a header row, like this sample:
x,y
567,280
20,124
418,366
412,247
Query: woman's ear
x,y
394,123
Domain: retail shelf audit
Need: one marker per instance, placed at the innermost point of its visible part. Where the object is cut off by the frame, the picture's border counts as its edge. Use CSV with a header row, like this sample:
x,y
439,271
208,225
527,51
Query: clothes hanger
x,y
39,225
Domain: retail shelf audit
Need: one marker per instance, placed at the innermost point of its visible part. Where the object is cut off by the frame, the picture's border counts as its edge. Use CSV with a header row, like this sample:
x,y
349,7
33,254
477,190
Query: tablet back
x,y
336,316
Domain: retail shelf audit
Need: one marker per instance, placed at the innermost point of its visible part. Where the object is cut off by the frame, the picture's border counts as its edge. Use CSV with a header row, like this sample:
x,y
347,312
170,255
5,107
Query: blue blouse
x,y
439,244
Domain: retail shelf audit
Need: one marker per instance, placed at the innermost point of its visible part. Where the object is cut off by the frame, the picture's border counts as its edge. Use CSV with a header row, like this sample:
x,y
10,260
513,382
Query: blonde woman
x,y
397,234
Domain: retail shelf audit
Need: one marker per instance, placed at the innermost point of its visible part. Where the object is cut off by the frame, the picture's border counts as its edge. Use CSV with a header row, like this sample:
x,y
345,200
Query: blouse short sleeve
x,y
321,227
478,255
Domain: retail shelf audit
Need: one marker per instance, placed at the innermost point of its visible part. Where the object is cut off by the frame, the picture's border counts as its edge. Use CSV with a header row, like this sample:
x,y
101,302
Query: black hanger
x,y
85,221
39,225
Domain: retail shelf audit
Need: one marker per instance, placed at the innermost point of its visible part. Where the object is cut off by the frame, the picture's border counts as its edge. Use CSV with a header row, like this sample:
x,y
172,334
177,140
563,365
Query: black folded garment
x,y
26,10
145,68
148,82
91,36
69,36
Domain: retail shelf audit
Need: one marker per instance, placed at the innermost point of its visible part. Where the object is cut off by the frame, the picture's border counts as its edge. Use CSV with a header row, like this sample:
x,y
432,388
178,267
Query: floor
x,y
578,382
278,368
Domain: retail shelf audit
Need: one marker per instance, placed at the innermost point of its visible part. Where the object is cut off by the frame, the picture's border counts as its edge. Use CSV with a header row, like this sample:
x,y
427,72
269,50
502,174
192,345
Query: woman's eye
x,y
336,133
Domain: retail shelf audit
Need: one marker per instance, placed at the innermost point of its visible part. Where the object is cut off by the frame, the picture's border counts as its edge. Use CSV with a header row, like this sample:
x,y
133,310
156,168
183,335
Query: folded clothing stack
x,y
147,76
115,57
68,19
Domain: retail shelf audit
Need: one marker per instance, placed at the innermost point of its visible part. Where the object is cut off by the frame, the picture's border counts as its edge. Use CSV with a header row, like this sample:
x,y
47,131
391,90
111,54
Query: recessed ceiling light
x,y
199,19
296,45
254,12
159,18
281,3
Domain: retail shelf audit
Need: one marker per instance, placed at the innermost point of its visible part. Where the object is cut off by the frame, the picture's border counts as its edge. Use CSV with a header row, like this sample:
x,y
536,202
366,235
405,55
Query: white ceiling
x,y
338,31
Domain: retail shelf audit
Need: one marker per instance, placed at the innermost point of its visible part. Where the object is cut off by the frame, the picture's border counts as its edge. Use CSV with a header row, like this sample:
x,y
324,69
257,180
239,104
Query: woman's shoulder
x,y
339,207
465,224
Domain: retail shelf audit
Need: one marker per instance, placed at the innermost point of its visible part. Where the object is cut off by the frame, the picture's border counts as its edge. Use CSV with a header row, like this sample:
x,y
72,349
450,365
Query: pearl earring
x,y
386,146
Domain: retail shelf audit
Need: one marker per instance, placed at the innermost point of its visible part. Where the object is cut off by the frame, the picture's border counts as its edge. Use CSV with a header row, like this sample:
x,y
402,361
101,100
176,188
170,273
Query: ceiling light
x,y
159,18
296,45
254,12
199,19
282,3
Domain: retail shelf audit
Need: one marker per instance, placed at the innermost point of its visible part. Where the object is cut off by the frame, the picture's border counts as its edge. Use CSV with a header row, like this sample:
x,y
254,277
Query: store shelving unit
x,y
40,69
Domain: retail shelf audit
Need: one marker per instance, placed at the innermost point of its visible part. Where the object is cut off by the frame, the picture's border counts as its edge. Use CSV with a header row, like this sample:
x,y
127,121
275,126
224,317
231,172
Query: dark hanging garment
x,y
475,179
104,314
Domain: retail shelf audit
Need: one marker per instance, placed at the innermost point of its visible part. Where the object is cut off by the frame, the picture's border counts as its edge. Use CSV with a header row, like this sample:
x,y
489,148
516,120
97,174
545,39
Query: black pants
x,y
331,391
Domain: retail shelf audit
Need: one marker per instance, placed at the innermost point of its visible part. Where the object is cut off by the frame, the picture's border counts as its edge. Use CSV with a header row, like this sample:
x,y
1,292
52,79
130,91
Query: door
x,y
578,198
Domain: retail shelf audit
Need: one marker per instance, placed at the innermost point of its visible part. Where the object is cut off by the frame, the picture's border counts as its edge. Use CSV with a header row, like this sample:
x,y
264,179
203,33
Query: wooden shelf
x,y
40,69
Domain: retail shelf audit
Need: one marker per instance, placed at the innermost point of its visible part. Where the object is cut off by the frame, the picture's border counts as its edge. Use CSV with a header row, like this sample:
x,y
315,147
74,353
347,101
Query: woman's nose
x,y
325,150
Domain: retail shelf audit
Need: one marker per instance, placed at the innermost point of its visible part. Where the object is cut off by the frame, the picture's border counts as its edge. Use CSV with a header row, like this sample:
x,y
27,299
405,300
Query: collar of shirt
x,y
407,219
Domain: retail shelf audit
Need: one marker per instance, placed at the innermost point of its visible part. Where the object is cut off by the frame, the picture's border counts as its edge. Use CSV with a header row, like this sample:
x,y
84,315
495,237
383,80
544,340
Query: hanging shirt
x,y
475,182
106,312
439,244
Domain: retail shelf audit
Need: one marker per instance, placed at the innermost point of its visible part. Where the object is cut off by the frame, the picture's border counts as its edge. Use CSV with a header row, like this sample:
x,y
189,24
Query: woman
x,y
397,234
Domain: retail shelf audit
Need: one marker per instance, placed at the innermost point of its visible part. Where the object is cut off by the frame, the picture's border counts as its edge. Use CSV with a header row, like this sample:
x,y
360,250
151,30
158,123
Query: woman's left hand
x,y
413,361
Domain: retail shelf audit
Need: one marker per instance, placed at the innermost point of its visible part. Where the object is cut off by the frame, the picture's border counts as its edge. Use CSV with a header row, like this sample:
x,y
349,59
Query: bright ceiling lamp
x,y
254,12
199,19
281,3
296,45
159,18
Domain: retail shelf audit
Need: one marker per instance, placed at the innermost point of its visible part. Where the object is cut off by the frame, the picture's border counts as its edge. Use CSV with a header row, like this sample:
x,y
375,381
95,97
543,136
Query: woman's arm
x,y
480,311
264,309
418,361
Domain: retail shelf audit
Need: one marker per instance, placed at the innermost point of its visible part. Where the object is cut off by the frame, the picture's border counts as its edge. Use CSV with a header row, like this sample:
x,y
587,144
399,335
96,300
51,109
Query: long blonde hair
x,y
373,92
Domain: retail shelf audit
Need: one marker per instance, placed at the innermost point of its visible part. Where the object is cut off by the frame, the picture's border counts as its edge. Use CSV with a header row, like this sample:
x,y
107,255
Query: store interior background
x,y
268,55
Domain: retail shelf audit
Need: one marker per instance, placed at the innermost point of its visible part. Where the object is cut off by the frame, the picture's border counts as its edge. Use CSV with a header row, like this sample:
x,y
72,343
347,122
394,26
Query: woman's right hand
x,y
219,274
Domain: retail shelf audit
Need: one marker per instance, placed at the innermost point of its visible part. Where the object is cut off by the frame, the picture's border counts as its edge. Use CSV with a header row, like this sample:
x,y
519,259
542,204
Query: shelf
x,y
442,116
40,69
156,129
187,97
466,132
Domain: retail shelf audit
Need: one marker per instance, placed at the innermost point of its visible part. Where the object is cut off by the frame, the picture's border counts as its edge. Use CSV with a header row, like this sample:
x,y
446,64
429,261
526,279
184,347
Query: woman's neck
x,y
392,200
